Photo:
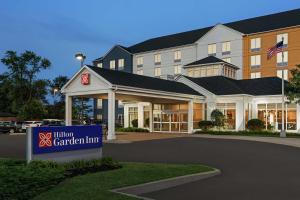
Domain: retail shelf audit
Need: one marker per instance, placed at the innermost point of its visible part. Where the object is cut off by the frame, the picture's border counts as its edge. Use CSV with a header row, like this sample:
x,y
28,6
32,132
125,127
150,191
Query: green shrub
x,y
135,123
21,181
205,125
132,129
255,125
218,118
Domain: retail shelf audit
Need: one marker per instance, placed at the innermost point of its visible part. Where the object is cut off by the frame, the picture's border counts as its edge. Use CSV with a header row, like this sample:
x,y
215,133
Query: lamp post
x,y
80,57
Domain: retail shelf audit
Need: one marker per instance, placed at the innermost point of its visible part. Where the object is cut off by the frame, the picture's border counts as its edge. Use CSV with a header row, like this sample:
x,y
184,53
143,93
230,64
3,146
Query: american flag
x,y
276,49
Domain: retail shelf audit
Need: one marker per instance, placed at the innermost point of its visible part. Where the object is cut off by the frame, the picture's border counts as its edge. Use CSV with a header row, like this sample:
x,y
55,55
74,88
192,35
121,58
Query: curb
x,y
137,190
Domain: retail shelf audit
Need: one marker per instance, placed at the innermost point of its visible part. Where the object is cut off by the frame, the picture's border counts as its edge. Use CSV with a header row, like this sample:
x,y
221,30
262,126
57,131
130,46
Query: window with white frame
x,y
255,75
212,49
140,72
255,44
177,69
255,61
282,58
285,74
121,63
285,38
177,56
112,64
140,61
228,60
100,65
157,59
99,103
99,116
157,71
226,48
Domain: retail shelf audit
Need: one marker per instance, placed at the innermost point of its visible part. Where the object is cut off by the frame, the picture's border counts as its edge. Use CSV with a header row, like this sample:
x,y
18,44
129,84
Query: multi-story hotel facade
x,y
226,64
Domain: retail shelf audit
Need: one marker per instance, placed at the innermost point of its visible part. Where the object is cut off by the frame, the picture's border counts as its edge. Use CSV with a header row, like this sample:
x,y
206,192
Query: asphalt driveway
x,y
250,170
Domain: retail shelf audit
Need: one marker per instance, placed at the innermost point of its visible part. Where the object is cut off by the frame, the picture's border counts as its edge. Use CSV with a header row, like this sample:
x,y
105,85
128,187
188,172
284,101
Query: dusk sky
x,y
57,29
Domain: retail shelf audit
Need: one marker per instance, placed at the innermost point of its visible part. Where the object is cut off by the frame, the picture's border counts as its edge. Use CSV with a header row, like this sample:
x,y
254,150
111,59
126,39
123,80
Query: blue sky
x,y
57,29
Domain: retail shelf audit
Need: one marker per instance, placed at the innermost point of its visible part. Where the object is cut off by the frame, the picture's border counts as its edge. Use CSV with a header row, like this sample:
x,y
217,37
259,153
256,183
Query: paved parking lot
x,y
250,169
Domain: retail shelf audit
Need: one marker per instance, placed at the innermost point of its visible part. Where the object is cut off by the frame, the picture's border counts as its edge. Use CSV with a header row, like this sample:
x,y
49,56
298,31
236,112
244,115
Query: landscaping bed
x,y
21,181
248,133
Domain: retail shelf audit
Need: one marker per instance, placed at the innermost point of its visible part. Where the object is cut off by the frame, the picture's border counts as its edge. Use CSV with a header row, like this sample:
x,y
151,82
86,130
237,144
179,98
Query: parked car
x,y
28,124
7,127
52,122
18,126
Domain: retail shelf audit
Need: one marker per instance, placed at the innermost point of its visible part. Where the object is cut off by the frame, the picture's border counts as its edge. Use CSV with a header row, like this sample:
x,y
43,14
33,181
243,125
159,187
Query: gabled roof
x,y
221,85
246,26
210,60
145,82
168,41
115,46
268,22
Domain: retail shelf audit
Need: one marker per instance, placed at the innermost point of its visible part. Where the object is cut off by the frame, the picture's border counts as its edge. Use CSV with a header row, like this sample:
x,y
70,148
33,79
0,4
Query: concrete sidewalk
x,y
294,142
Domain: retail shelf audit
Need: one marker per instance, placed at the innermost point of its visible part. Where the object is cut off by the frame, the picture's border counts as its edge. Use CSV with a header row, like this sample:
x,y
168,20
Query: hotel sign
x,y
67,138
85,79
64,143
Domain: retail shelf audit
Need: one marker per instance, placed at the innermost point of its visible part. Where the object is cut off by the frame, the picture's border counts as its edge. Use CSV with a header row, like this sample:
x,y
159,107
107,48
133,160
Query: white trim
x,y
217,25
91,71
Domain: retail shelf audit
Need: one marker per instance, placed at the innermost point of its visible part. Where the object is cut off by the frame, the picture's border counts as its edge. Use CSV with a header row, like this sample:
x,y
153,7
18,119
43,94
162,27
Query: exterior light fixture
x,y
80,57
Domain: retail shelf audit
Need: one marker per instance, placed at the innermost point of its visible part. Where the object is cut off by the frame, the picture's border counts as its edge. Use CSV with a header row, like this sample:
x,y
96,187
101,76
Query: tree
x,y
33,110
81,108
25,89
218,118
57,109
292,88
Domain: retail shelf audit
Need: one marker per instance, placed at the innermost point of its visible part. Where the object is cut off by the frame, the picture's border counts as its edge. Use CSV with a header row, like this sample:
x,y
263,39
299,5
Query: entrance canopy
x,y
95,82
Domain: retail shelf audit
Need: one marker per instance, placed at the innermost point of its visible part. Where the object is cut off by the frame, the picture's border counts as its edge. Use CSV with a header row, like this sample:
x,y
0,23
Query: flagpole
x,y
282,132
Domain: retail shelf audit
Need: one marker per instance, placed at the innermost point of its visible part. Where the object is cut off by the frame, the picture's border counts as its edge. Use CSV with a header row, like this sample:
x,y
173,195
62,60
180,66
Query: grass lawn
x,y
249,133
97,185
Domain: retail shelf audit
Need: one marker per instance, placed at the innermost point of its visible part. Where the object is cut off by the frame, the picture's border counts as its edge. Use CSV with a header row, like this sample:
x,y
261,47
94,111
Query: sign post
x,y
63,144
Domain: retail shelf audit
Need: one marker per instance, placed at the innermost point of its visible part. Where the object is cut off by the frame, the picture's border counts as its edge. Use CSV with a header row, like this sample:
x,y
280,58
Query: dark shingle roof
x,y
133,80
210,60
168,41
247,26
221,85
267,22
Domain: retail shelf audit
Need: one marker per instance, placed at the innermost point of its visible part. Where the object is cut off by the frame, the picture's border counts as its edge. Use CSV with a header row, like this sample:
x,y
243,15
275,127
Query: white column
x,y
190,116
111,115
298,118
68,110
240,116
126,115
210,107
140,115
151,118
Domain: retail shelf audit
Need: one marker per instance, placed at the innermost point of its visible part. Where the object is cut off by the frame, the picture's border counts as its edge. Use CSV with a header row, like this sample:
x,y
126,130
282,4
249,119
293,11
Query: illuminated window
x,y
282,61
112,64
255,44
157,71
212,49
255,75
285,74
139,61
177,69
226,48
121,63
157,59
177,56
255,61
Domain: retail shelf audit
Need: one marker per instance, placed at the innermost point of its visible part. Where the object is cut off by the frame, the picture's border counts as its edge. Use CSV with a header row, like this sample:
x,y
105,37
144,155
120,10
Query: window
x,y
177,56
226,48
100,65
157,71
285,74
255,61
255,75
99,103
255,44
157,59
140,61
282,61
140,72
177,69
283,36
121,63
227,60
212,49
99,117
112,64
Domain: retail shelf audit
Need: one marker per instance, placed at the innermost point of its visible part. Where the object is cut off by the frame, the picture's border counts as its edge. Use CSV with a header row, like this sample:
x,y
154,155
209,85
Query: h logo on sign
x,y
85,78
45,139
